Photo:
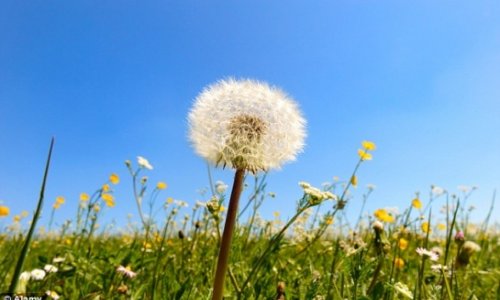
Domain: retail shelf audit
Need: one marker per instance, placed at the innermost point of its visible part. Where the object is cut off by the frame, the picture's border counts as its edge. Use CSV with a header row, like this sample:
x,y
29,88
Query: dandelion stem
x,y
225,247
24,251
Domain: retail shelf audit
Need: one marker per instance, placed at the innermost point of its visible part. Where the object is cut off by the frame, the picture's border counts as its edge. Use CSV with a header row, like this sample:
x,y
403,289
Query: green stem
x,y
227,236
24,251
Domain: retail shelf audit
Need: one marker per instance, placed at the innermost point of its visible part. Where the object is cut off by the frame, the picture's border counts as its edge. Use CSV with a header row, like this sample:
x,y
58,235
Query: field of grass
x,y
316,254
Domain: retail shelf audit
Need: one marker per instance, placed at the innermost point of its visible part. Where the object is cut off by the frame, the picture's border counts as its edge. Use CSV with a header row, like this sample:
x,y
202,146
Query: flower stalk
x,y
227,235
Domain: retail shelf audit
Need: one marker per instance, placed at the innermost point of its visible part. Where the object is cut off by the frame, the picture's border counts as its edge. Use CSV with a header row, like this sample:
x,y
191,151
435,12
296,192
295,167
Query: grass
x,y
316,254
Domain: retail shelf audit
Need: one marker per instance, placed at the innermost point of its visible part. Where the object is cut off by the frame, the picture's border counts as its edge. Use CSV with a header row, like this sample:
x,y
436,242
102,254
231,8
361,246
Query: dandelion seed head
x,y
246,124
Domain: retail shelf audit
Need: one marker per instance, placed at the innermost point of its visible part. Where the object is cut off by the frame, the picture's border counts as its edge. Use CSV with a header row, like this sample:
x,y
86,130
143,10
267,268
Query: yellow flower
x,y
17,218
364,155
399,263
329,220
170,200
97,208
114,179
24,214
403,244
84,197
105,188
425,227
161,185
60,200
416,203
109,199
441,226
276,214
354,180
4,211
383,215
369,146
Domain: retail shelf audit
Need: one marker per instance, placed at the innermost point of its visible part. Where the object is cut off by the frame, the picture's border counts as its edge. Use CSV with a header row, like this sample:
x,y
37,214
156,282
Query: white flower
x,y
126,271
144,163
424,252
437,268
437,191
403,290
220,187
52,295
304,184
246,124
25,276
50,269
37,274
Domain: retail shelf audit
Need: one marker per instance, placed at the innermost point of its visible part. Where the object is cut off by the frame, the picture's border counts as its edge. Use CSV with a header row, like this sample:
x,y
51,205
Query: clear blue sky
x,y
115,79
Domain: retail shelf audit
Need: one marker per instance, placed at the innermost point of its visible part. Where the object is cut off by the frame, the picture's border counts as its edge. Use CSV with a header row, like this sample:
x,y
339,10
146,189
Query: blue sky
x,y
115,79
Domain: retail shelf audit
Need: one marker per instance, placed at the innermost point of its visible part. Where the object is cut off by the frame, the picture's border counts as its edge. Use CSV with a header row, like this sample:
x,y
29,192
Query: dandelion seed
x,y
161,185
38,274
424,252
114,178
144,163
245,124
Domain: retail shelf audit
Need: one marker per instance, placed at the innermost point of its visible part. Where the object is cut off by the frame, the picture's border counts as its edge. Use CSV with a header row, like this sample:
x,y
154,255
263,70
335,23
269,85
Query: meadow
x,y
316,254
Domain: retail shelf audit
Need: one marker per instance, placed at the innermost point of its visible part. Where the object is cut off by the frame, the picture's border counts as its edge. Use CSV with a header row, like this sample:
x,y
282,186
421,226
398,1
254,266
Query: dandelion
x,y
161,185
399,263
37,274
426,228
114,179
84,197
403,244
416,203
368,146
127,271
248,126
144,163
383,216
426,253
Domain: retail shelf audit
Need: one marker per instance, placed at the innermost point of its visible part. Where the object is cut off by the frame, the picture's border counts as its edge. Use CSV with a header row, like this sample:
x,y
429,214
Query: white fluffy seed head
x,y
246,124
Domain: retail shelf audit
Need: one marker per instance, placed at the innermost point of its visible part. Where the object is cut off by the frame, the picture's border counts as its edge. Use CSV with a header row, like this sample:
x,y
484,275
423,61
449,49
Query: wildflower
x,y
52,294
50,268
96,208
416,203
57,260
354,180
403,290
114,179
60,200
437,250
364,155
37,274
441,226
403,244
84,197
463,257
25,276
304,184
161,185
383,215
314,195
220,187
424,252
24,214
369,146
276,214
328,220
246,124
126,271
105,188
399,262
144,179
169,200
459,237
108,199
144,163
464,188
17,218
426,228
378,226
437,191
